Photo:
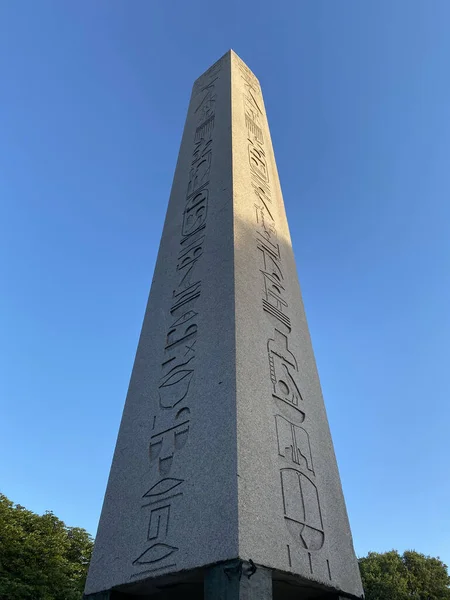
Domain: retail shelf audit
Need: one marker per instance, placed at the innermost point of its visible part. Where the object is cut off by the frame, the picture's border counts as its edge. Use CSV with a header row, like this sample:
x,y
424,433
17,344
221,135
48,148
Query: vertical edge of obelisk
x,y
257,491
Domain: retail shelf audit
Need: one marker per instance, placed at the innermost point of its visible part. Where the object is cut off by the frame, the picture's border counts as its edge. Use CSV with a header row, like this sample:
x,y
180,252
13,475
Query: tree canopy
x,y
410,576
40,557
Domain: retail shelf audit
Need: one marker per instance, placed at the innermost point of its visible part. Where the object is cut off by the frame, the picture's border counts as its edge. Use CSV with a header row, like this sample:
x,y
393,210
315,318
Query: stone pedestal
x,y
237,580
224,451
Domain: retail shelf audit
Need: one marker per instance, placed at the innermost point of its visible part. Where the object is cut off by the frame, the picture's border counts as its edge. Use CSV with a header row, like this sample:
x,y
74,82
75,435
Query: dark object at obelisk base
x,y
224,483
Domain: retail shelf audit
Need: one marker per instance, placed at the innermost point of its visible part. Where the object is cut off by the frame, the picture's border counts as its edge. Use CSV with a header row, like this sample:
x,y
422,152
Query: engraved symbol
x,y
262,193
329,570
276,312
271,254
173,366
205,108
174,388
194,215
155,553
267,226
302,509
186,294
251,94
181,329
257,159
293,443
274,303
163,486
254,129
283,367
199,173
190,348
204,131
190,253
159,522
203,145
248,76
165,443
273,284
253,116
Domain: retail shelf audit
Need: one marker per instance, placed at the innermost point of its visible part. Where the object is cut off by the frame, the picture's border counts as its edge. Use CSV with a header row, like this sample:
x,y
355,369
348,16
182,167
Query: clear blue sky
x,y
93,97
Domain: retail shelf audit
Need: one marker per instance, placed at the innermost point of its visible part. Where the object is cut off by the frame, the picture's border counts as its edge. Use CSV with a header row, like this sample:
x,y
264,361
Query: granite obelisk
x,y
224,482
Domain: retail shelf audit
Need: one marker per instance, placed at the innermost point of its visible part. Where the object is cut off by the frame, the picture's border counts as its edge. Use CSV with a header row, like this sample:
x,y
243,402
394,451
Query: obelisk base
x,y
232,580
238,580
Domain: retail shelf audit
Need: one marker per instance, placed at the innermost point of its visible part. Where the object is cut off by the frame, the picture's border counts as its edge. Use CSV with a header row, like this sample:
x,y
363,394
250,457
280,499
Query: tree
x,y
40,557
411,576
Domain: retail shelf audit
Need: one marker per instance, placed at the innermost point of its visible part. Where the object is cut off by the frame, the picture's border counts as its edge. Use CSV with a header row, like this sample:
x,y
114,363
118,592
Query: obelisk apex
x,y
224,480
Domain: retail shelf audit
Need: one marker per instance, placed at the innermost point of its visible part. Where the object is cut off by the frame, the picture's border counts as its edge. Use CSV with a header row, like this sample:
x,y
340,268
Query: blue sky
x,y
93,98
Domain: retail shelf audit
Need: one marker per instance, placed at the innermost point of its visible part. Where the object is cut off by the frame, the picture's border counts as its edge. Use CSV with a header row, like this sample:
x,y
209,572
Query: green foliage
x,y
411,576
40,557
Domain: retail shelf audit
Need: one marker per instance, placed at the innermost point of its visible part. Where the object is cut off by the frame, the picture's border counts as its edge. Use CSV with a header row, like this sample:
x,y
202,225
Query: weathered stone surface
x,y
224,449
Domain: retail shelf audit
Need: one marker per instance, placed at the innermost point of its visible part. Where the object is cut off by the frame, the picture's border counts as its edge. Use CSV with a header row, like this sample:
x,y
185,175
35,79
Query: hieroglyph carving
x,y
172,415
274,292
302,512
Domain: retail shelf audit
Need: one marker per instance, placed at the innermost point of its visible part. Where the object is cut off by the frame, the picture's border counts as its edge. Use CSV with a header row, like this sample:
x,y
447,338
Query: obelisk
x,y
224,482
